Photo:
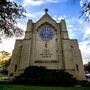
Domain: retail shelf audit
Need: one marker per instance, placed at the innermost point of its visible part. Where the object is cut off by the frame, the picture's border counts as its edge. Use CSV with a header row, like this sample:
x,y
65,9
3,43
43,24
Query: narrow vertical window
x,y
15,68
77,67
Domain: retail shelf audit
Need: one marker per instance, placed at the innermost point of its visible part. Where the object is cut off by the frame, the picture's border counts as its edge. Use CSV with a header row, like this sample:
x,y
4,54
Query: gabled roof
x,y
46,18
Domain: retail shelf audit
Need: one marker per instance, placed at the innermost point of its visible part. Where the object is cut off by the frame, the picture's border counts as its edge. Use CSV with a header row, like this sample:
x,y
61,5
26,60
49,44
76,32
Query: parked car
x,y
87,75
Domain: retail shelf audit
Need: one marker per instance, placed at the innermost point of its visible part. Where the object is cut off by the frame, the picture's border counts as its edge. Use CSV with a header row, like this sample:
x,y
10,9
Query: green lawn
x,y
22,87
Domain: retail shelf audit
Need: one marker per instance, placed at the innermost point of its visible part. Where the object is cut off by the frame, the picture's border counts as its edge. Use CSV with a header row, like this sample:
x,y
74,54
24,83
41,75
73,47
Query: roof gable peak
x,y
46,17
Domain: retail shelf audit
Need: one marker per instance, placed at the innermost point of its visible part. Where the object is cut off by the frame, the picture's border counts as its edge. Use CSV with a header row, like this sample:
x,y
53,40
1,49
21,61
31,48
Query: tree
x,y
4,58
87,67
9,13
85,4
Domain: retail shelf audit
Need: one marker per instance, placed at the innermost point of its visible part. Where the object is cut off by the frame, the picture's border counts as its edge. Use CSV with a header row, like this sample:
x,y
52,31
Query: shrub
x,y
42,76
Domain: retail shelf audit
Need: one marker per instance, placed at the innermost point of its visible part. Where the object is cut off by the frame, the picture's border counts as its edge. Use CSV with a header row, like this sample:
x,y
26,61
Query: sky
x,y
77,27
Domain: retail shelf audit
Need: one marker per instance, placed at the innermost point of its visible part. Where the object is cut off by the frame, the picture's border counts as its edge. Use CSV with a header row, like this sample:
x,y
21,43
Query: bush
x,y
4,72
84,83
42,76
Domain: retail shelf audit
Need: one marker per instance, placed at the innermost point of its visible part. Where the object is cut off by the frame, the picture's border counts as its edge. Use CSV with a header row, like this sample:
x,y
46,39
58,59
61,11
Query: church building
x,y
47,44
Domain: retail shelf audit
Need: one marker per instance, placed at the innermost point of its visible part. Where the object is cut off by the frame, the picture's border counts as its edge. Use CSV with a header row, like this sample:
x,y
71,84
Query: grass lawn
x,y
22,87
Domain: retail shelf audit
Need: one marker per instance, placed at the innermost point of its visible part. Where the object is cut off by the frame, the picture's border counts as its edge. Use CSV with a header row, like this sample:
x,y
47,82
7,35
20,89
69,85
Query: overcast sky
x,y
58,9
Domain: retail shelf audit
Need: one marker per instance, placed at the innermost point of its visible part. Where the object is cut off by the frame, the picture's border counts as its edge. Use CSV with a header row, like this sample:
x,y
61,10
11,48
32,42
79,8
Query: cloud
x,y
22,26
85,50
7,45
34,15
10,0
86,31
32,2
58,19
38,2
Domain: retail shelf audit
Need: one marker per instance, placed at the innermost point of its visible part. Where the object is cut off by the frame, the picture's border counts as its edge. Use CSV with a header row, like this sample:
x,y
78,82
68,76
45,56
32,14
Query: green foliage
x,y
4,58
42,76
4,63
87,67
9,13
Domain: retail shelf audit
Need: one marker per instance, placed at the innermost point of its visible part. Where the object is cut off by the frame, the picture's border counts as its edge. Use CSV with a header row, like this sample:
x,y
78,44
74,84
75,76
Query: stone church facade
x,y
47,44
